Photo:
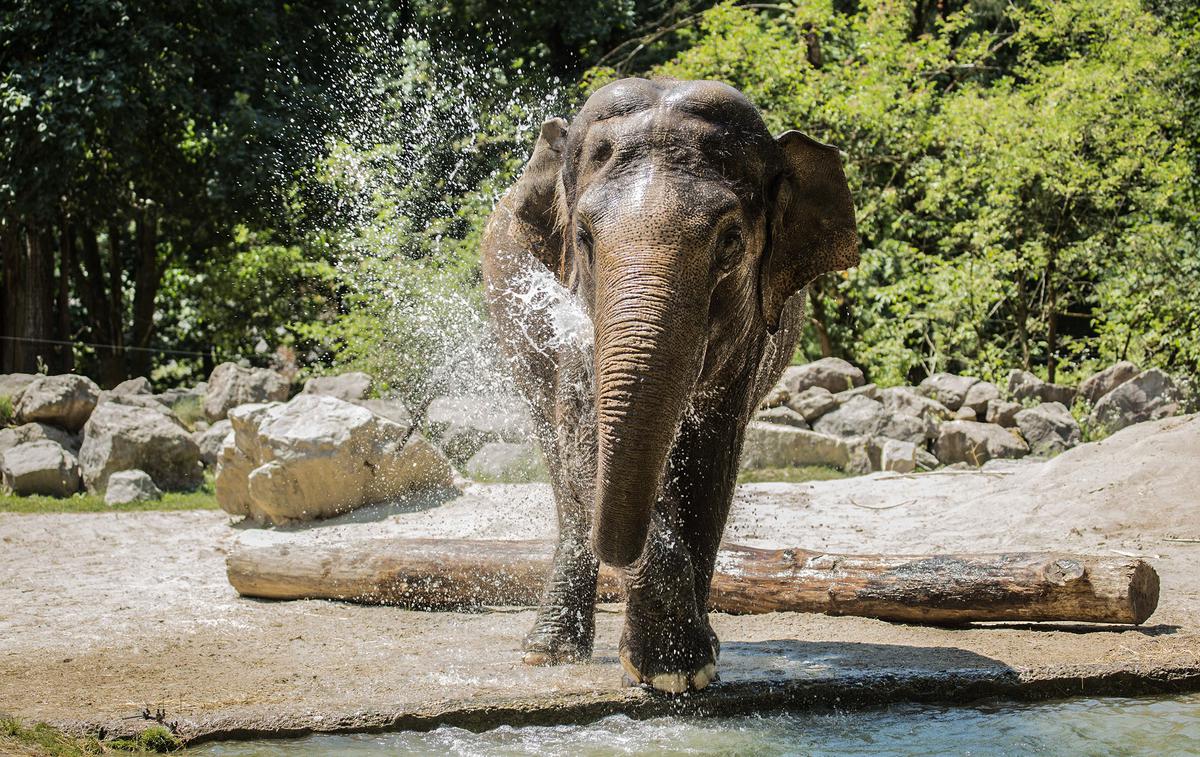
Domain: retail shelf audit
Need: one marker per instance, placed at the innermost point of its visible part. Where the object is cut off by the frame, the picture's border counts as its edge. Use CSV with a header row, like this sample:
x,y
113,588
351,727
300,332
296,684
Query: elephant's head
x,y
685,228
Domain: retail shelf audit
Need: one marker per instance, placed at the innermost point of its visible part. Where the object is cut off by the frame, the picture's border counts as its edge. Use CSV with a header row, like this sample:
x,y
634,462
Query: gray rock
x,y
1049,428
782,415
947,388
898,456
318,456
1023,385
129,486
139,385
965,414
831,373
1003,412
1149,396
210,441
151,401
65,401
1100,384
770,445
926,460
121,436
862,416
460,426
32,432
975,443
813,402
352,386
12,385
979,395
870,391
39,467
231,385
863,455
777,397
858,416
394,410
904,400
507,462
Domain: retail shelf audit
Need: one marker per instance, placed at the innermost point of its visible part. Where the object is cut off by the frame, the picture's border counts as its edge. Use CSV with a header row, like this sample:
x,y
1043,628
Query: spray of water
x,y
430,139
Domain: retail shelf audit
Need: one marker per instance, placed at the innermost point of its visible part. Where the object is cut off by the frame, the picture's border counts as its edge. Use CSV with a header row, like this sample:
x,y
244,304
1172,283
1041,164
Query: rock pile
x,y
825,413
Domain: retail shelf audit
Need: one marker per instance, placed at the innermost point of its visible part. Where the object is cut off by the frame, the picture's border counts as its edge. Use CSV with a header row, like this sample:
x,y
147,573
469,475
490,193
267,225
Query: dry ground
x,y
105,615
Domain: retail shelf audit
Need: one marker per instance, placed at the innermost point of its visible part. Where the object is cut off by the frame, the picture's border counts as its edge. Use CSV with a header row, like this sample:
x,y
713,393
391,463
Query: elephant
x,y
645,280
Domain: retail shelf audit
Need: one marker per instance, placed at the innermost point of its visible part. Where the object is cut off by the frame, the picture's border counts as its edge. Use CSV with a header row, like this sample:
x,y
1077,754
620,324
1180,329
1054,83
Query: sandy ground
x,y
105,615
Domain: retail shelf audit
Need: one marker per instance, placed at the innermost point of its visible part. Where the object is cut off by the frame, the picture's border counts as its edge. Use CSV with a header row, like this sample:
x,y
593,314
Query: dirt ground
x,y
103,616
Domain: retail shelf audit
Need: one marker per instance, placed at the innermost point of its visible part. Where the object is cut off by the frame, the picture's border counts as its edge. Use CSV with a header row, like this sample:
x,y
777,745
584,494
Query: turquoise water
x,y
1110,726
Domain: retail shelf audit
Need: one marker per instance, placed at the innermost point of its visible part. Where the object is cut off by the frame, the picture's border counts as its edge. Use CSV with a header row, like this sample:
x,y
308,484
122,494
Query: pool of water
x,y
1109,726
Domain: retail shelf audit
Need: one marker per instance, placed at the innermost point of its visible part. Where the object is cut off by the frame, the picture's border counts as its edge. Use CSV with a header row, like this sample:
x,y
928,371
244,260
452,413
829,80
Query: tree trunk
x,y
147,277
432,574
1051,321
818,321
66,254
28,298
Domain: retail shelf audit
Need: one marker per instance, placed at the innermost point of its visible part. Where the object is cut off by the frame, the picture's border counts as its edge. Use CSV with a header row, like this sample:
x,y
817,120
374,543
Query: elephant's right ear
x,y
812,223
534,195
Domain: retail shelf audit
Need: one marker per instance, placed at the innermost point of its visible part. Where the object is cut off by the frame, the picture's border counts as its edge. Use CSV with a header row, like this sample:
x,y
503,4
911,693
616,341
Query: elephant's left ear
x,y
812,223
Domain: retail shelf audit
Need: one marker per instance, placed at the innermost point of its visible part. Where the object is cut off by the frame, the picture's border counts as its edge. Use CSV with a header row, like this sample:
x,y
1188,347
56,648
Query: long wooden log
x,y
442,574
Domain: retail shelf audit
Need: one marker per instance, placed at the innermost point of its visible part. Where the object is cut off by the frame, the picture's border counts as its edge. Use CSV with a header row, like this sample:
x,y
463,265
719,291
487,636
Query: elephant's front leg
x,y
666,642
565,626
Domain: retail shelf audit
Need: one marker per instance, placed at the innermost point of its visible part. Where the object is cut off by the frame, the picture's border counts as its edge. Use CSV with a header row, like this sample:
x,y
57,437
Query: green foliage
x,y
6,410
42,740
1025,187
203,498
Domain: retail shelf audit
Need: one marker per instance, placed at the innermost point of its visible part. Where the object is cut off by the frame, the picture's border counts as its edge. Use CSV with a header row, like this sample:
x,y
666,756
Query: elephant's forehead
x,y
711,101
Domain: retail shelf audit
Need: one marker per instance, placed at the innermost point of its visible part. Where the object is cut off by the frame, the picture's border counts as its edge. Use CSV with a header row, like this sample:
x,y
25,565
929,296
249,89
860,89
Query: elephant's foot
x,y
554,642
566,621
670,652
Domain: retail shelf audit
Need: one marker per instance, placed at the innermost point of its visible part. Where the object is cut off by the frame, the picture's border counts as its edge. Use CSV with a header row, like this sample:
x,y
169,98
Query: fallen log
x,y
445,574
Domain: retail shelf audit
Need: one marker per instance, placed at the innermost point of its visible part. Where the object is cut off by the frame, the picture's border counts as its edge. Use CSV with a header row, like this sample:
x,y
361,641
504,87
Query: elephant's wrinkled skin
x,y
642,277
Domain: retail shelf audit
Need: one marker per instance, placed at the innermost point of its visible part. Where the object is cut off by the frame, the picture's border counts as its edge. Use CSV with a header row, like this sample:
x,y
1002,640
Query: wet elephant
x,y
644,277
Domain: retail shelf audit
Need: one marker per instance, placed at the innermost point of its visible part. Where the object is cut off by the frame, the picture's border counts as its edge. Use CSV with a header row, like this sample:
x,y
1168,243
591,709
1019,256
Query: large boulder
x,y
1049,428
351,386
318,456
1003,412
1023,385
507,462
771,445
1148,396
779,395
121,436
831,373
33,432
905,400
898,456
978,397
231,385
976,443
947,388
65,401
812,403
39,467
12,385
862,416
139,385
128,486
211,440
783,415
1100,384
460,426
394,410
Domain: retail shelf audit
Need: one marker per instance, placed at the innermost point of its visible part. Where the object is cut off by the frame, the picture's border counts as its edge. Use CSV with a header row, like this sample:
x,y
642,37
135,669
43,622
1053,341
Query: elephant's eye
x,y
729,247
583,243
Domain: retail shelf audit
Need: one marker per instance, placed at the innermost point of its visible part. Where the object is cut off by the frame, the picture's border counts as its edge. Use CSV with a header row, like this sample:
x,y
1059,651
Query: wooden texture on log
x,y
444,574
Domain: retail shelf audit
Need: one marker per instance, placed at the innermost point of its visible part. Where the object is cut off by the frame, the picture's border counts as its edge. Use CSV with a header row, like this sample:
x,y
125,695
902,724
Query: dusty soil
x,y
104,615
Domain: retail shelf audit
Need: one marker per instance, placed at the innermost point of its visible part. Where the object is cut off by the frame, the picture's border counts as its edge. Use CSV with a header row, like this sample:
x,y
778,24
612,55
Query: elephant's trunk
x,y
650,342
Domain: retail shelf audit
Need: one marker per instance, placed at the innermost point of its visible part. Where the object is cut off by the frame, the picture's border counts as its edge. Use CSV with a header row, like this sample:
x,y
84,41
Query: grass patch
x,y
6,410
41,740
203,498
794,475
